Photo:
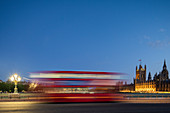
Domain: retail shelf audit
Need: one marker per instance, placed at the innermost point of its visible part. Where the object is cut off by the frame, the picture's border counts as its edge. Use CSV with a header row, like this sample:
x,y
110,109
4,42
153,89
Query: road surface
x,y
33,107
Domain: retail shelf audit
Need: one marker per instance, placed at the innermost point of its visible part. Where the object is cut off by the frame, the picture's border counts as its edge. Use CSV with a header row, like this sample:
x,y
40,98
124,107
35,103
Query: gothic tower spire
x,y
164,67
149,76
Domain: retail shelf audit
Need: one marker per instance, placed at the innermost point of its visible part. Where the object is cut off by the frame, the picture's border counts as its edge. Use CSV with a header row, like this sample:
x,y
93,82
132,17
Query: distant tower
x,y
155,77
149,76
164,74
164,66
140,74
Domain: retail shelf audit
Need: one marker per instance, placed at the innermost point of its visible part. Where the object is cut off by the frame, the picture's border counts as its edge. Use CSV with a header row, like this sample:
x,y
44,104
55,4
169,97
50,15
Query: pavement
x,y
125,100
129,98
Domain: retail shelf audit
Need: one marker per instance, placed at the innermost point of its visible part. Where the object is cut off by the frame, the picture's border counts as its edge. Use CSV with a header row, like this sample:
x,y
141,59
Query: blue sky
x,y
100,35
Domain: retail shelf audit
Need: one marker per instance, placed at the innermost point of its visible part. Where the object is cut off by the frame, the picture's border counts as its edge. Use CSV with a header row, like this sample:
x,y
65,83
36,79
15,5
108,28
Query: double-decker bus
x,y
78,86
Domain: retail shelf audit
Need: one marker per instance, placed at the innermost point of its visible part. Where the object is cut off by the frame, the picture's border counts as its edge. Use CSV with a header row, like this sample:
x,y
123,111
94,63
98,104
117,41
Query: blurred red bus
x,y
78,86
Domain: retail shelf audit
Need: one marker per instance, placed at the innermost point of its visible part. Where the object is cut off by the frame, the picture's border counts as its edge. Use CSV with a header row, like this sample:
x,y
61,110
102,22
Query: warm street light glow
x,y
15,78
12,78
19,78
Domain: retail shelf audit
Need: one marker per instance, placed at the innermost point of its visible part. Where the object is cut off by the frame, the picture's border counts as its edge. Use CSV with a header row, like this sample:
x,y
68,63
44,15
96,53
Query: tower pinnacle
x,y
164,66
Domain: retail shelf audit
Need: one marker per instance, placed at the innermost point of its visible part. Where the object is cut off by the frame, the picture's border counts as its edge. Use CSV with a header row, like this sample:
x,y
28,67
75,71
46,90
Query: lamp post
x,y
15,78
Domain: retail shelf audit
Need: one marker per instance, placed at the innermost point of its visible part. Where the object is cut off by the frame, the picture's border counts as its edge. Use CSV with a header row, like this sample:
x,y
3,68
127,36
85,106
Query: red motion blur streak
x,y
76,86
83,97
77,79
80,72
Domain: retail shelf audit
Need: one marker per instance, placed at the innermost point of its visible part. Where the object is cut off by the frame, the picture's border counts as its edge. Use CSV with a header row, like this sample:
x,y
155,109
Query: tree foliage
x,y
9,87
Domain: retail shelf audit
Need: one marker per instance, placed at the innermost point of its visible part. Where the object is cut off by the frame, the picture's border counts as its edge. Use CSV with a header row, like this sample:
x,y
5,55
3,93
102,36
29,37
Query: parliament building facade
x,y
160,82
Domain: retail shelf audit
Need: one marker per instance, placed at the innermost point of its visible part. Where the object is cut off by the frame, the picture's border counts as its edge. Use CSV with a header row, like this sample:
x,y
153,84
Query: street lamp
x,y
15,78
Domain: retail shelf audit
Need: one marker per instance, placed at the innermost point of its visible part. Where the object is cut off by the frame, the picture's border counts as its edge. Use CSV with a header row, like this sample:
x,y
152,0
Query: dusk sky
x,y
96,35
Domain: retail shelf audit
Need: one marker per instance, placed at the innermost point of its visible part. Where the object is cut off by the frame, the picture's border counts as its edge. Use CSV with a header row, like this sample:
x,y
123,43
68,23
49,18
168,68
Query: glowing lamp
x,y
15,78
